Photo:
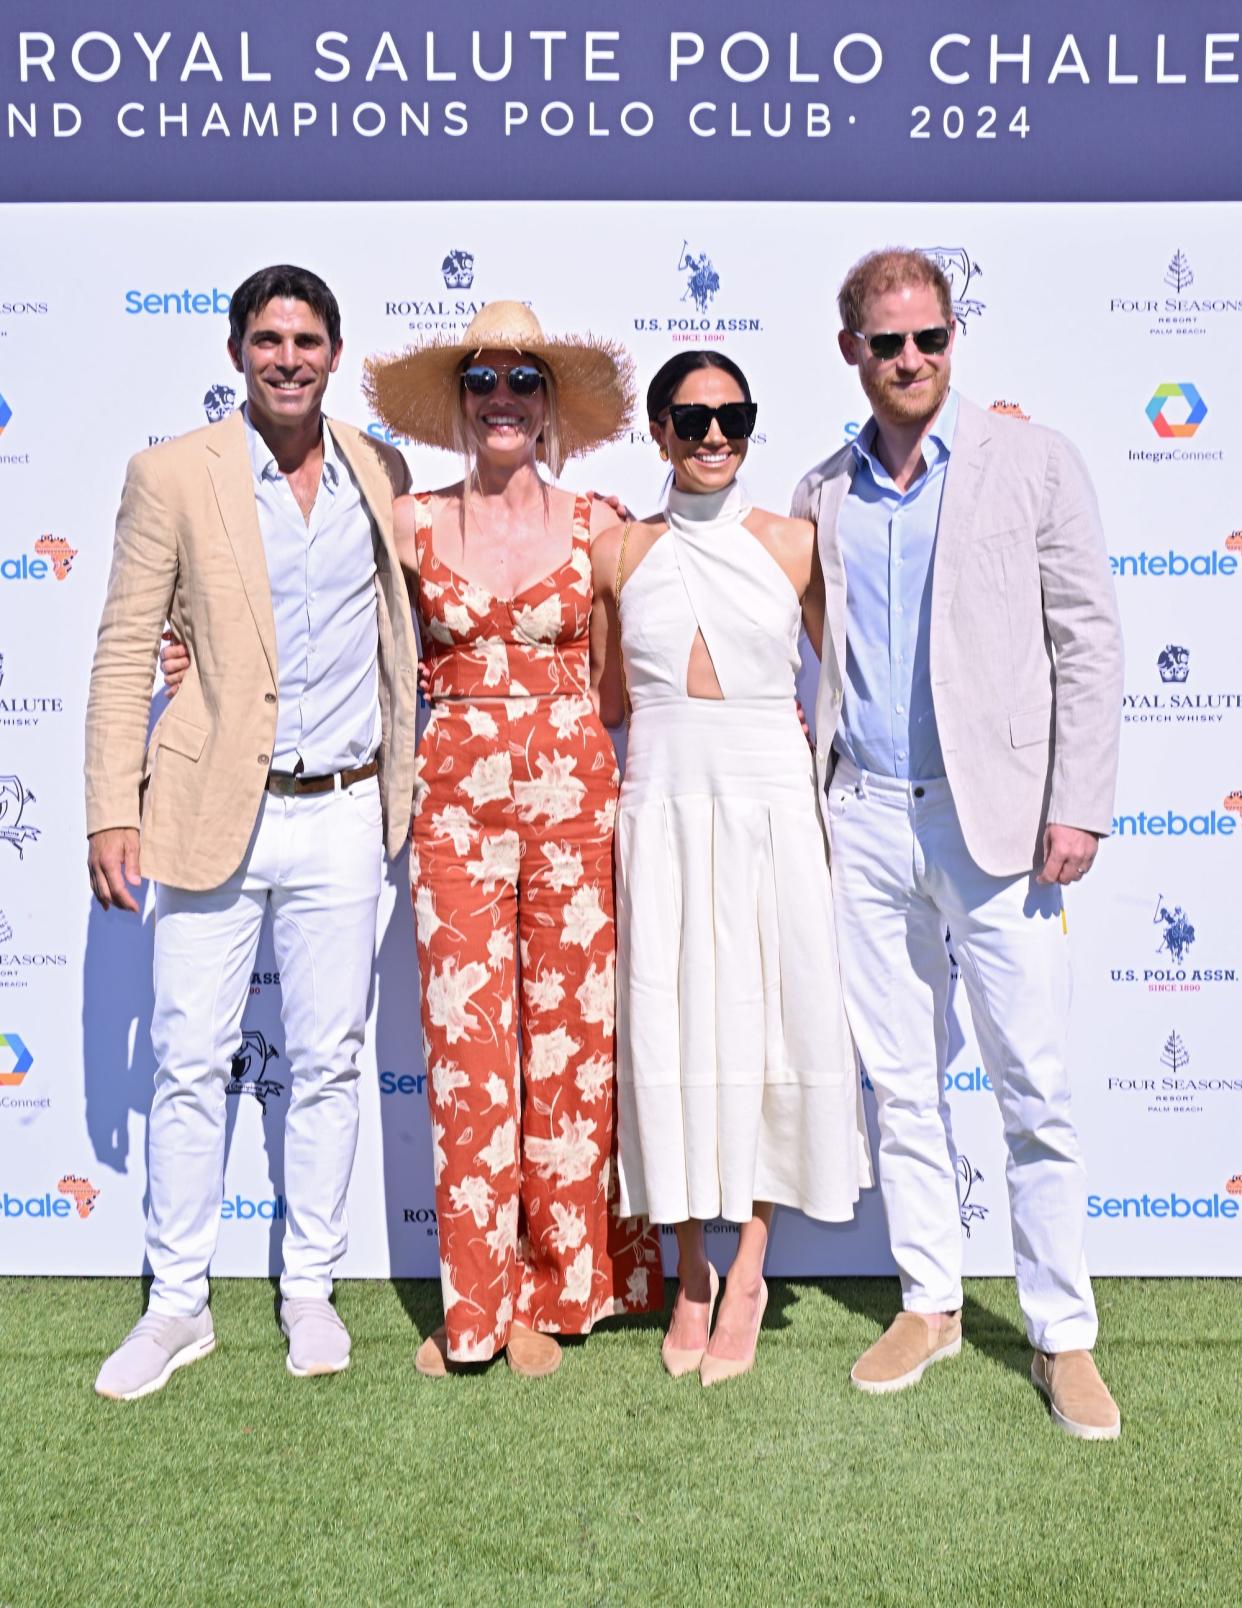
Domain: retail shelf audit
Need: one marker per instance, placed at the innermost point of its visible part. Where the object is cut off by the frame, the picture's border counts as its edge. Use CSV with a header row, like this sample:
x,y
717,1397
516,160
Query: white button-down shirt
x,y
888,543
322,576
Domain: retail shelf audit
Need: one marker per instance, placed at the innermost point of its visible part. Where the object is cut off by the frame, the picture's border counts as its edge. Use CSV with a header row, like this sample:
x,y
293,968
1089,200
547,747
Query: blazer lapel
x,y
232,479
962,484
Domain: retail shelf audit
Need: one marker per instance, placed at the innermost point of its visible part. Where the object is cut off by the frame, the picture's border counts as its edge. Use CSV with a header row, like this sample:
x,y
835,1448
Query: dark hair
x,y
283,280
663,387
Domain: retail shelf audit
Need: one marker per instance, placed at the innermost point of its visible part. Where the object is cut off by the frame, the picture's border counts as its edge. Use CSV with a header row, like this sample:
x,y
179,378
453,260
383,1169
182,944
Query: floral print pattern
x,y
511,873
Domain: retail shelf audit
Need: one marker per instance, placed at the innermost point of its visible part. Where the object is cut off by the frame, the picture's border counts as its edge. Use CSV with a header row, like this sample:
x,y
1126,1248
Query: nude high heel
x,y
713,1369
678,1362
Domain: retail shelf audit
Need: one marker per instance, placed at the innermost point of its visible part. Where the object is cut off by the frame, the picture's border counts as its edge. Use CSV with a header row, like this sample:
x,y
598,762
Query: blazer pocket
x,y
181,736
1030,726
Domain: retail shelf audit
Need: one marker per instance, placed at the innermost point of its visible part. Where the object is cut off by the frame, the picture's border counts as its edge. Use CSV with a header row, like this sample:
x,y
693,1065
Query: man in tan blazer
x,y
274,783
968,721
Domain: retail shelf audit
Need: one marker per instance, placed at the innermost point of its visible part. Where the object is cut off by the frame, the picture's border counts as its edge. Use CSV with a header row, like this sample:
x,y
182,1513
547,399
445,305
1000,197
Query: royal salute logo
x,y
1188,307
1166,967
693,322
458,270
25,709
969,1211
959,268
436,314
218,402
14,830
1185,703
248,1072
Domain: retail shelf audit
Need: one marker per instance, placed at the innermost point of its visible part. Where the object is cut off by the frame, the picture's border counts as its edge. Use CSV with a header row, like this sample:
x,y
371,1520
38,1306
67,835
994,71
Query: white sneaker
x,y
318,1340
152,1352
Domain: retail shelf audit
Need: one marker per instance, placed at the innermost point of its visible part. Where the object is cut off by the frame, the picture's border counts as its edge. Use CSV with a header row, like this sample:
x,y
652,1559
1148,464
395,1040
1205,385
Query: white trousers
x,y
316,863
901,873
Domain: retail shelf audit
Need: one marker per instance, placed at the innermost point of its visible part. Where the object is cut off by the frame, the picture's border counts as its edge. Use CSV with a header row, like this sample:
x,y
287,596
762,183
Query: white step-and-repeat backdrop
x,y
1117,324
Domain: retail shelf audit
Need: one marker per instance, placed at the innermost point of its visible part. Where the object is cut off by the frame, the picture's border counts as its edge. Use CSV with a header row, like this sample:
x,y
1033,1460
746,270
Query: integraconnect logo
x,y
25,709
1174,1087
176,303
1169,970
53,560
6,413
1183,309
1175,411
693,321
16,1064
14,797
6,417
1182,704
74,1196
1168,1205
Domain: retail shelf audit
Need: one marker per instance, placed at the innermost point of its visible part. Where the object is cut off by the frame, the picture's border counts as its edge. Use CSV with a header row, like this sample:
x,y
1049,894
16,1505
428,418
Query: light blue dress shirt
x,y
322,577
888,544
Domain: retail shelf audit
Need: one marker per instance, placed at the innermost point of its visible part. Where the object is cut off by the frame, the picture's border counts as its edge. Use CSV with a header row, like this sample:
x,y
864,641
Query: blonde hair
x,y
894,268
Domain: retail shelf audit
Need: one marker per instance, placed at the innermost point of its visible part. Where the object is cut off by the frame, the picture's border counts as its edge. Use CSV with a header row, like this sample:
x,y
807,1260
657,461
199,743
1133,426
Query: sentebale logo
x,y
1196,410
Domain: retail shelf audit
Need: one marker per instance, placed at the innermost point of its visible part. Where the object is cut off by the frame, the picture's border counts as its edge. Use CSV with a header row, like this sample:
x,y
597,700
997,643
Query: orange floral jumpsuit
x,y
512,857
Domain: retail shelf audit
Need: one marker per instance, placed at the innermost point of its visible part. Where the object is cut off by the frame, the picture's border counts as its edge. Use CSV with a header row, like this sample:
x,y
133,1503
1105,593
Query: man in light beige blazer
x,y
968,721
274,783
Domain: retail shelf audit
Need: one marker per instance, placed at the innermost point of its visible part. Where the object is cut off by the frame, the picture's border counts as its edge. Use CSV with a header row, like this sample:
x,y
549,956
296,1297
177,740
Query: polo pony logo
x,y
1173,663
249,1065
969,1211
14,797
954,262
1178,934
702,280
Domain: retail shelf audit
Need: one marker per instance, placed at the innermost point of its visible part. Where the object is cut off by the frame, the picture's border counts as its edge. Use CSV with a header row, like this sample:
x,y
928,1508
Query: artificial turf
x,y
610,1483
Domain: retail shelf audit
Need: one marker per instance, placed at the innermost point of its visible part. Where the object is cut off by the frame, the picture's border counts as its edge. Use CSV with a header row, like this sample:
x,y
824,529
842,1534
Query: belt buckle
x,y
282,783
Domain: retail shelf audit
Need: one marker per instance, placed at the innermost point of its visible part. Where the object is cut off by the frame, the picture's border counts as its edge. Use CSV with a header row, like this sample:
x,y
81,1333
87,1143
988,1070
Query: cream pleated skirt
x,y
736,1077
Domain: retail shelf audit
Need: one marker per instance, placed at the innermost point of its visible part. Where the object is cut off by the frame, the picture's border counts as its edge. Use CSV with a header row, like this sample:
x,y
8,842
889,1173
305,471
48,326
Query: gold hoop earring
x,y
663,454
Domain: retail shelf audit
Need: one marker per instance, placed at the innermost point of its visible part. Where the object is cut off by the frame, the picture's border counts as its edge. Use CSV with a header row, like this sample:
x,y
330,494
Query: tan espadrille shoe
x,y
904,1352
535,1355
1078,1397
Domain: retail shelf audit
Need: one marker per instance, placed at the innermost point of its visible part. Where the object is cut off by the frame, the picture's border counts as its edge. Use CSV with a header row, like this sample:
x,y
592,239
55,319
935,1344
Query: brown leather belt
x,y
288,784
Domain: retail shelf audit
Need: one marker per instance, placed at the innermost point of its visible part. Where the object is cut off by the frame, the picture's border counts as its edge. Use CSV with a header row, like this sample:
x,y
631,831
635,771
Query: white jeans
x,y
901,873
316,861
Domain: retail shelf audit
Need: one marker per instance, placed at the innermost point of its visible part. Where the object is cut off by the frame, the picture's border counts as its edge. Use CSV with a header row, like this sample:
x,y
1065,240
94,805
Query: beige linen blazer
x,y
1026,656
188,550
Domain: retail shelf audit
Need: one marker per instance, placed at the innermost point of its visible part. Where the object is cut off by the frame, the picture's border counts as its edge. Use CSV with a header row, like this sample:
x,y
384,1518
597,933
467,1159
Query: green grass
x,y
609,1483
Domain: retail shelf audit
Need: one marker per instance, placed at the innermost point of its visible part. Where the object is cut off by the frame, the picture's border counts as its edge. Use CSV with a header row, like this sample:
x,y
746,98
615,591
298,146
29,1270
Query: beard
x,y
890,400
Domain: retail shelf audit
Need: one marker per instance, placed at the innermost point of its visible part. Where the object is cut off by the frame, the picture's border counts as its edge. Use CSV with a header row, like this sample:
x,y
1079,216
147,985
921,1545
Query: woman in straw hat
x,y
736,1082
511,860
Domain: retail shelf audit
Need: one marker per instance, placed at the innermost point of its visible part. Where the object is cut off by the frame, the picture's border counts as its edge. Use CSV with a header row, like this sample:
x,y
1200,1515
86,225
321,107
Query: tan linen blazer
x,y
188,550
1026,655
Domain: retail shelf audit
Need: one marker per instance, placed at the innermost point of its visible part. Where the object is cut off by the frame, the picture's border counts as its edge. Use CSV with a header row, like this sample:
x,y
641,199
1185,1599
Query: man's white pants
x,y
316,862
901,873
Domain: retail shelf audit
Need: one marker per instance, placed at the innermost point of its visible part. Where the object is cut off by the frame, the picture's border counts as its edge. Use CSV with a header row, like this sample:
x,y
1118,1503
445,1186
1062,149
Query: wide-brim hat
x,y
417,392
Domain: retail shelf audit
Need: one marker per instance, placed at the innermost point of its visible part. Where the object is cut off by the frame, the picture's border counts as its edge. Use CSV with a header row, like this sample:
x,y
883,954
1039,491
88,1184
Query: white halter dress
x,y
736,1075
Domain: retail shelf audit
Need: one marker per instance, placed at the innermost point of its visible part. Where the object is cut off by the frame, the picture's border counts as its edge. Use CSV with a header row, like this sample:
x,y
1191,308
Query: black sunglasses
x,y
523,379
931,342
692,420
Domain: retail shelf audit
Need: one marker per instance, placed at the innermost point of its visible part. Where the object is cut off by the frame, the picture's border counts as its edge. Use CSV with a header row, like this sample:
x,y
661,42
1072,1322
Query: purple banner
x,y
802,100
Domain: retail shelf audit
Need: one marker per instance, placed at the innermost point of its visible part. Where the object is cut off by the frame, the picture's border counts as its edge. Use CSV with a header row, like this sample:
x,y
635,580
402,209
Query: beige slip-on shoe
x,y
1077,1396
532,1354
904,1352
678,1361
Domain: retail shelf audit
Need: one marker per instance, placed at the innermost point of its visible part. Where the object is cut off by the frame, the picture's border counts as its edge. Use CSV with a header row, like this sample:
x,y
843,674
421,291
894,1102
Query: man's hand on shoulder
x,y
112,857
1068,854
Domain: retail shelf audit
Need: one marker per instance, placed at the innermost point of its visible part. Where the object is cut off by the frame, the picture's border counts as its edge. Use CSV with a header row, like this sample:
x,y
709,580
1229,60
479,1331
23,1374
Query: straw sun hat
x,y
418,392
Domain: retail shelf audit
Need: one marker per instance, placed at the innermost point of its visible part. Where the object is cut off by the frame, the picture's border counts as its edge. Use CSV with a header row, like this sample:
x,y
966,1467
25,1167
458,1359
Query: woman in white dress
x,y
737,1084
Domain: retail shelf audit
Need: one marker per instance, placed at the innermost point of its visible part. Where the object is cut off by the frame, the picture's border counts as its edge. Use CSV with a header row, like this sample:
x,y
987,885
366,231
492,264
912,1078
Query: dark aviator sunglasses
x,y
692,420
888,343
523,379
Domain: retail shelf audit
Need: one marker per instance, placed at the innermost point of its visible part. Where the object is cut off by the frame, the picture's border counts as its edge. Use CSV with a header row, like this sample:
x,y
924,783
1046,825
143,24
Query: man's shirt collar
x,y
265,466
937,444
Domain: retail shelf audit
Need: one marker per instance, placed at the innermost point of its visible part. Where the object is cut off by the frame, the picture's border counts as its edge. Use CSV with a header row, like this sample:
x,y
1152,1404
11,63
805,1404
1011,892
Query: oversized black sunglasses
x,y
692,420
523,379
931,342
